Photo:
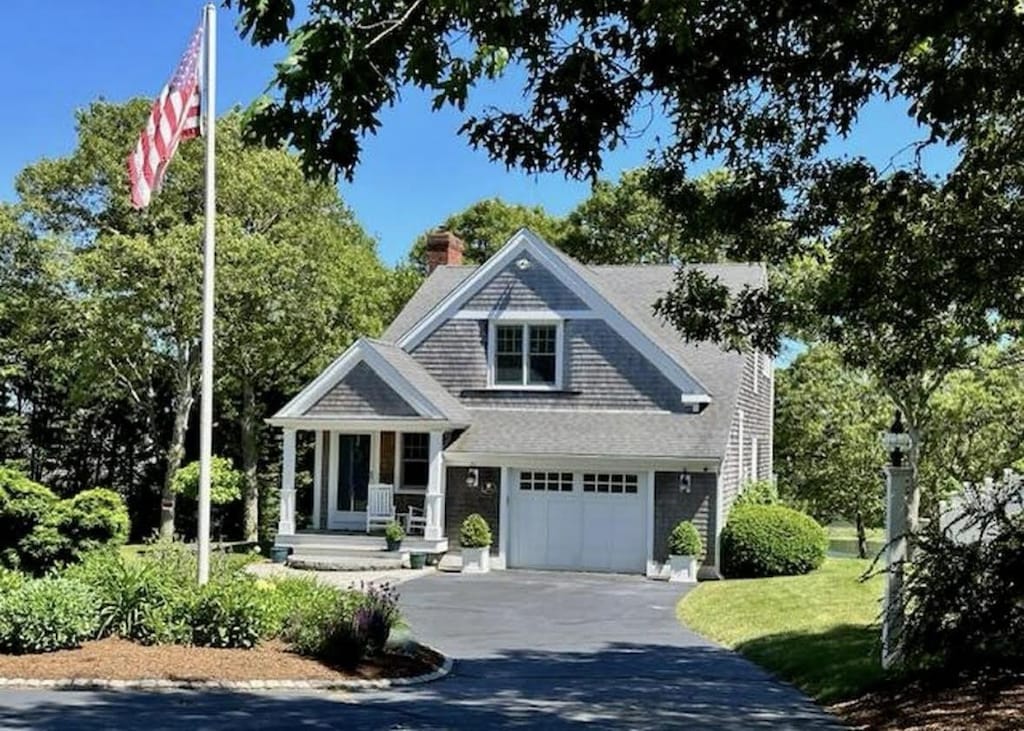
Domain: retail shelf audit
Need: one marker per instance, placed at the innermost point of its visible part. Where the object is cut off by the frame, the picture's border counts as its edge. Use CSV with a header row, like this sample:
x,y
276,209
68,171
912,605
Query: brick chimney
x,y
443,247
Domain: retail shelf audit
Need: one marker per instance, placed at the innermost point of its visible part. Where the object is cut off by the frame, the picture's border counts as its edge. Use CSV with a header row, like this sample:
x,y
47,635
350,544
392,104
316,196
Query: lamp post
x,y
897,479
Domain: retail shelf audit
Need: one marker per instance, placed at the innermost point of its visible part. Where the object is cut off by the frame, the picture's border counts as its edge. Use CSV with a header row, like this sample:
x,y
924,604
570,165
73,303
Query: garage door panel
x,y
596,525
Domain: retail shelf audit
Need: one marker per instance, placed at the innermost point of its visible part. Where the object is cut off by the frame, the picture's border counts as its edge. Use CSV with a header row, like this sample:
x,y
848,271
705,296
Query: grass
x,y
842,540
817,631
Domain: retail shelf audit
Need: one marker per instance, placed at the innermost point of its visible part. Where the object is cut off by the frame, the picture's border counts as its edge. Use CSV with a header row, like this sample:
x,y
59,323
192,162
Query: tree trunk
x,y
249,428
182,406
862,538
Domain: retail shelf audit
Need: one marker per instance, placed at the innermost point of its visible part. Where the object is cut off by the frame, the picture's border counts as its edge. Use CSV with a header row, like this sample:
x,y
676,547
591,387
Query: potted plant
x,y
394,534
475,540
684,551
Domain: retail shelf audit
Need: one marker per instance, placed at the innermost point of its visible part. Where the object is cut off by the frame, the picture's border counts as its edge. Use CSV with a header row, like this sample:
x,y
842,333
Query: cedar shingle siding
x,y
756,408
671,506
525,289
460,502
600,370
362,391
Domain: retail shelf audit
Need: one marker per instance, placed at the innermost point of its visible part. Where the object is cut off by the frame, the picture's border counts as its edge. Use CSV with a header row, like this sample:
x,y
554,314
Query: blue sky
x,y
415,172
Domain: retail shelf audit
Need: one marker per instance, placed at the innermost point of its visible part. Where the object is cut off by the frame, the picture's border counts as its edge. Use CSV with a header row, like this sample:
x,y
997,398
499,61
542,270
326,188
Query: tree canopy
x,y
297,280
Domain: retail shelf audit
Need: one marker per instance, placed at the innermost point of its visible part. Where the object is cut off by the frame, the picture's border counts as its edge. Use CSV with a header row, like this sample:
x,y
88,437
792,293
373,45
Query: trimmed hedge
x,y
38,530
685,540
474,532
771,540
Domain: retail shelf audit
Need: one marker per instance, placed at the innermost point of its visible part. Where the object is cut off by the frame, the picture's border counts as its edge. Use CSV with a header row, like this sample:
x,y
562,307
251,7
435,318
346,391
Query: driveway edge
x,y
438,673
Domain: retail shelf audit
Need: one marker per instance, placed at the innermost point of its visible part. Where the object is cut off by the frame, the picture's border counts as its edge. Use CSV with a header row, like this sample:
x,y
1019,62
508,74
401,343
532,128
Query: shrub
x,y
95,518
126,589
38,531
326,629
226,482
292,597
771,540
475,533
393,532
229,613
23,505
44,615
10,580
759,492
964,594
685,540
377,615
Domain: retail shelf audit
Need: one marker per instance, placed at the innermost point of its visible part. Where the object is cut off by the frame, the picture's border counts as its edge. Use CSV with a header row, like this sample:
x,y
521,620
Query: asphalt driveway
x,y
532,649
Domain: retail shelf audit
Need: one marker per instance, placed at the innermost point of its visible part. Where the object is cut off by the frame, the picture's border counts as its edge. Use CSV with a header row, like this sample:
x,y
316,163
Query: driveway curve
x,y
532,650
558,650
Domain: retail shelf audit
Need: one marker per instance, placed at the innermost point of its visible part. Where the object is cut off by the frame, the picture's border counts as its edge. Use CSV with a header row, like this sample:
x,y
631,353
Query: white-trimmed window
x,y
526,355
611,483
546,481
415,460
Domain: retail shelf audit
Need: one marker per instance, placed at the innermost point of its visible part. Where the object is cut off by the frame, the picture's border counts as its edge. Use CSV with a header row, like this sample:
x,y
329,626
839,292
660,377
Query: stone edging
x,y
165,684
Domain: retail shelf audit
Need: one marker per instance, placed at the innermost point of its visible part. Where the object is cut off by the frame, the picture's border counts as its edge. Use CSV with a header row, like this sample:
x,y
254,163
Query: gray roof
x,y
633,290
592,433
422,381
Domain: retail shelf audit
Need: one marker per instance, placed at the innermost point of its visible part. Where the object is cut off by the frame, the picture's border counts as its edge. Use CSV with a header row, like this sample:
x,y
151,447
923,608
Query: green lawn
x,y
842,540
818,631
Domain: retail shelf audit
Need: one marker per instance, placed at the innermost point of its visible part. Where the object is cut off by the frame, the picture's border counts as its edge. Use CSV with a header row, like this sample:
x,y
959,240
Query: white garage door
x,y
587,521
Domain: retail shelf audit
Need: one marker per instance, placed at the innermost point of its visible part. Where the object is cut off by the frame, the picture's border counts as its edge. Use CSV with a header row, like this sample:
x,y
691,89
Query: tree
x,y
628,222
487,224
827,451
297,279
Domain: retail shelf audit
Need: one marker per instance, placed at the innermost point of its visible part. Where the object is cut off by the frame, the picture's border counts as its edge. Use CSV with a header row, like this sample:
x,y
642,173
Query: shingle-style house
x,y
545,395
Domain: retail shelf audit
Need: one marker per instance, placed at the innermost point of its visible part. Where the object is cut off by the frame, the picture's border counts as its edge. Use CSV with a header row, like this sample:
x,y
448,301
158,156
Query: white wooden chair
x,y
380,506
415,520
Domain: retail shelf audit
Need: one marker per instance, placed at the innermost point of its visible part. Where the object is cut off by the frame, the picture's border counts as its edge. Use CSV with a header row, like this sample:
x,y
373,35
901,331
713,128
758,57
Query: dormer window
x,y
525,355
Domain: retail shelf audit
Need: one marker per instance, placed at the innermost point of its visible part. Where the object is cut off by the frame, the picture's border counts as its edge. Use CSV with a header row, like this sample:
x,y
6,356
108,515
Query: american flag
x,y
174,117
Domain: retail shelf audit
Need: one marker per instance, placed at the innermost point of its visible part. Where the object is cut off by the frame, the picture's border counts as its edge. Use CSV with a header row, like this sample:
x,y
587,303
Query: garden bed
x,y
981,705
117,659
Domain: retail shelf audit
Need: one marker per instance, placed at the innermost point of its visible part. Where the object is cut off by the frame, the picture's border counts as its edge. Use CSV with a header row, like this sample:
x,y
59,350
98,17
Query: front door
x,y
347,488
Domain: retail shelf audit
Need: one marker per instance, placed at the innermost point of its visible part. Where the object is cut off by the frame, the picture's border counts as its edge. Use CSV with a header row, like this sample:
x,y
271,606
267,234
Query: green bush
x,y
326,628
23,505
226,482
771,540
10,580
127,590
229,613
39,531
94,519
759,492
475,533
685,540
44,615
393,532
292,597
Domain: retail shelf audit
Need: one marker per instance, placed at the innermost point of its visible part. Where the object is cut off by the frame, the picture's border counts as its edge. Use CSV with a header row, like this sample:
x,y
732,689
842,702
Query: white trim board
x,y
526,242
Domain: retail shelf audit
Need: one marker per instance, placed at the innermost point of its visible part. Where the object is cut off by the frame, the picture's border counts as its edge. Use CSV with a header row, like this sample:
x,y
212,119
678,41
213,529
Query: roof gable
x,y
577,279
373,379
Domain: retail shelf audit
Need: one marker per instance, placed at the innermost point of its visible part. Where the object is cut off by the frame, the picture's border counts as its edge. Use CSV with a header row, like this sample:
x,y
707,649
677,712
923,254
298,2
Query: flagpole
x,y
209,95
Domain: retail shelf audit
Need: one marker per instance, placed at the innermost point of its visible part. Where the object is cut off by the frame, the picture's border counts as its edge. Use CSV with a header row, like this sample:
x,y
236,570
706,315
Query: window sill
x,y
492,390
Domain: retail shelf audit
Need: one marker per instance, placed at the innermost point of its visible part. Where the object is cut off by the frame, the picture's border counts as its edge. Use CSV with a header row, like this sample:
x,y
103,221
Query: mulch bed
x,y
116,659
984,705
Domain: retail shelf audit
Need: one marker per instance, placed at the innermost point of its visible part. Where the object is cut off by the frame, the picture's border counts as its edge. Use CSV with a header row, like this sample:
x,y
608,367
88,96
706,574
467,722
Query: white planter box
x,y
476,560
682,569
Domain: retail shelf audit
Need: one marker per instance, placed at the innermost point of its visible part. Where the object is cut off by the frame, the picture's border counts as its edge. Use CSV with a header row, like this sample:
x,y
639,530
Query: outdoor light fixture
x,y
896,441
684,482
523,264
472,478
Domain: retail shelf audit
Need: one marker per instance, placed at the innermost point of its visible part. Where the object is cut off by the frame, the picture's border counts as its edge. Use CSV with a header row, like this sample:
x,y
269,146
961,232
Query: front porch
x,y
352,461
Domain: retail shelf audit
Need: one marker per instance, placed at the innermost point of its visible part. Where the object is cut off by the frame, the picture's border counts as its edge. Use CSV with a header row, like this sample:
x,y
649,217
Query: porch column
x,y
286,523
433,503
